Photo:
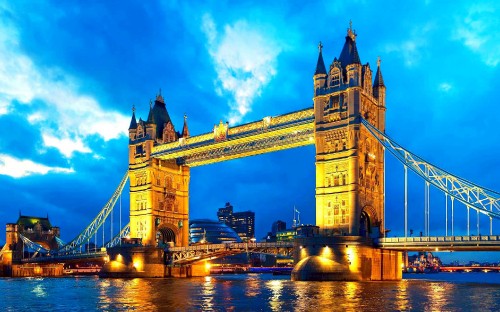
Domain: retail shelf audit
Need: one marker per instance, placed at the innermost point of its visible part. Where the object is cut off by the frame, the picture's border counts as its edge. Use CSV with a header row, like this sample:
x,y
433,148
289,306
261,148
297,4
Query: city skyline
x,y
70,75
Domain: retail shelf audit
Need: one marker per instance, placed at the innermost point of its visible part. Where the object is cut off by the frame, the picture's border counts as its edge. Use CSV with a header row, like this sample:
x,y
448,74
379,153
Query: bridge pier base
x,y
134,261
6,263
344,258
37,269
191,270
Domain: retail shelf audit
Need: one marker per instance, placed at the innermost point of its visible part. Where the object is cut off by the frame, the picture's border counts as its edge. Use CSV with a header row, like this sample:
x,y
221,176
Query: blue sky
x,y
70,73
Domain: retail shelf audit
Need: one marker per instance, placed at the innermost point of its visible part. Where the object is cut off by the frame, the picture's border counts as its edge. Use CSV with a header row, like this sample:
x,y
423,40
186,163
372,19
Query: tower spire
x,y
185,130
350,32
133,121
320,65
379,80
349,54
151,118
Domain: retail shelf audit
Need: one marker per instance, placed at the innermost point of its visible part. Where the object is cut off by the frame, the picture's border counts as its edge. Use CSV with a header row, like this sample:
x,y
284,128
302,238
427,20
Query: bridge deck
x,y
184,255
441,243
66,258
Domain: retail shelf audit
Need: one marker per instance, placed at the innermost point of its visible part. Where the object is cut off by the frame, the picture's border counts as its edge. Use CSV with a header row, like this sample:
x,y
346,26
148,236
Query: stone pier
x,y
344,258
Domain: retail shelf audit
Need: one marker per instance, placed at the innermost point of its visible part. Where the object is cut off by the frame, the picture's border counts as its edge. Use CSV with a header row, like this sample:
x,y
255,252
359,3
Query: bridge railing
x,y
232,246
424,239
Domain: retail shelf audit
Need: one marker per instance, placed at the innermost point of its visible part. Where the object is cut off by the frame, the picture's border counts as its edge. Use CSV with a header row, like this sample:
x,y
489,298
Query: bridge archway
x,y
367,220
166,235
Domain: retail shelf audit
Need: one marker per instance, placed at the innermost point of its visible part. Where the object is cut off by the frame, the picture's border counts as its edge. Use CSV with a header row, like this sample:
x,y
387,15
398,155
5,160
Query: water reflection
x,y
351,293
276,287
208,292
252,287
244,292
39,291
438,294
402,303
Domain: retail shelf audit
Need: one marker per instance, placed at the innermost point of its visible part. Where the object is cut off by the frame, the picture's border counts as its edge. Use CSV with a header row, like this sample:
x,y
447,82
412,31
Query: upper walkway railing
x,y
441,243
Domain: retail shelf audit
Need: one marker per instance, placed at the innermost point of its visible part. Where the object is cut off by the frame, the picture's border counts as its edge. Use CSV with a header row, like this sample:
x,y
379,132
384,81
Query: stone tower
x,y
159,206
349,161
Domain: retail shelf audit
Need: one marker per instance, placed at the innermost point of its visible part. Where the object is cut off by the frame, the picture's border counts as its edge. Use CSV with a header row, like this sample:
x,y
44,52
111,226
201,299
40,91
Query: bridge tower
x,y
159,206
349,162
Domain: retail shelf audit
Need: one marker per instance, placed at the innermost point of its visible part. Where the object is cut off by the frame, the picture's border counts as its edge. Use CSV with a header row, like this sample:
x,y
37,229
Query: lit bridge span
x,y
186,255
281,132
270,134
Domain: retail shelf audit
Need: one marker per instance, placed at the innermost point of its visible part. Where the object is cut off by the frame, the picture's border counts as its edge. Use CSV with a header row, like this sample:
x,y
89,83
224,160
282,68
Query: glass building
x,y
242,222
205,231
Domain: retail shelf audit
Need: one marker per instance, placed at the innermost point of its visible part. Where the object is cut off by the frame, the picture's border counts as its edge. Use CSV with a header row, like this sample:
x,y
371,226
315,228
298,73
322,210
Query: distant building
x,y
286,235
299,231
204,231
278,226
242,222
36,229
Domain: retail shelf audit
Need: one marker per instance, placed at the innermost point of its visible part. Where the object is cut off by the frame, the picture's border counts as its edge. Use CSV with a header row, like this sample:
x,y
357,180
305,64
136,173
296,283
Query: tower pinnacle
x,y
320,66
350,32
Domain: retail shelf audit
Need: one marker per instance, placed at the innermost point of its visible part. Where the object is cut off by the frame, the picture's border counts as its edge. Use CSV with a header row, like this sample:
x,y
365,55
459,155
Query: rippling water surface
x,y
253,292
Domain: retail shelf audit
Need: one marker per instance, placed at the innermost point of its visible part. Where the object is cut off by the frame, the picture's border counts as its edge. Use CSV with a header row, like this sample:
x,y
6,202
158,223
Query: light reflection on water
x,y
251,292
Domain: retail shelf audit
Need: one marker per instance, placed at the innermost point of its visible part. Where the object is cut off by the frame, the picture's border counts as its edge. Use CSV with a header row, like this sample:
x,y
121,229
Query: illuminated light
x,y
486,270
137,265
119,258
207,266
371,155
437,249
301,246
326,252
106,259
402,265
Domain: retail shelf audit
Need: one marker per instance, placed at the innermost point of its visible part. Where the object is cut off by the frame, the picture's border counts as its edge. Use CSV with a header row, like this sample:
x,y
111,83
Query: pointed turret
x,y
160,115
320,66
150,123
132,129
151,118
185,131
133,121
319,77
349,54
379,86
379,80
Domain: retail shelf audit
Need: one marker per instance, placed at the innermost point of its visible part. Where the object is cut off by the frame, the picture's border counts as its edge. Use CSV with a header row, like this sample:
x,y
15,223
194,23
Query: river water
x,y
253,292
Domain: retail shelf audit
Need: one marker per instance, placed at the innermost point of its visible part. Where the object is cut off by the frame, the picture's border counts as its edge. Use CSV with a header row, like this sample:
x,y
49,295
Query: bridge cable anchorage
x,y
118,237
3,250
481,199
98,221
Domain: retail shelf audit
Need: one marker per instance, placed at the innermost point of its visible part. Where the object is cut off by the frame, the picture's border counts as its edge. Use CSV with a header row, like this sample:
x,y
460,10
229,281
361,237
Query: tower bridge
x,y
346,123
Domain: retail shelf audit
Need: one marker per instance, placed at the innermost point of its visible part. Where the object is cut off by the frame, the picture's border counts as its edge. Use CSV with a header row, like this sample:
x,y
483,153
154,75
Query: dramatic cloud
x,y
411,49
445,87
479,32
64,117
245,61
18,168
